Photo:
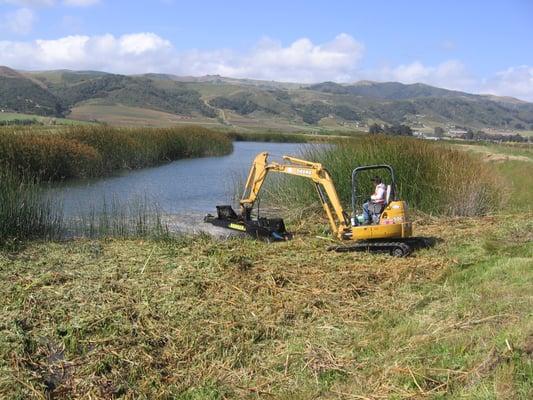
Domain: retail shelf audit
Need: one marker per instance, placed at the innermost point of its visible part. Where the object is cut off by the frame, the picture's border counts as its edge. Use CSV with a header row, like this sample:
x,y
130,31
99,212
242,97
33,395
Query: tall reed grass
x,y
139,217
27,213
24,213
90,151
432,178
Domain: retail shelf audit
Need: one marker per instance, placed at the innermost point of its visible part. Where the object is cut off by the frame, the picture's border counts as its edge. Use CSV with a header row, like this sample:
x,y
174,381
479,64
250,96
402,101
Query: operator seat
x,y
388,194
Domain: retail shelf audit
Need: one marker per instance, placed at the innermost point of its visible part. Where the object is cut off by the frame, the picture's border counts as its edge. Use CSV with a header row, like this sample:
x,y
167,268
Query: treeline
x,y
242,105
245,103
280,102
393,130
481,135
21,122
314,112
268,137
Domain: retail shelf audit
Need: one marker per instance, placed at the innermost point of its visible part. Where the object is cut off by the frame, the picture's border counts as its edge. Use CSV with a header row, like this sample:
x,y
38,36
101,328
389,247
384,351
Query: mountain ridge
x,y
215,99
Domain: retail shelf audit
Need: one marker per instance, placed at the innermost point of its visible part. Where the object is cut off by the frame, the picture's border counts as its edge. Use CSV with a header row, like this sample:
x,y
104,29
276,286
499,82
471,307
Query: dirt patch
x,y
193,223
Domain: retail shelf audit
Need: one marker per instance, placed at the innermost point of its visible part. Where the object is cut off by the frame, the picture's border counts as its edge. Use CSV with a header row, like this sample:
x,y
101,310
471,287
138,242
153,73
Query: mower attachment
x,y
268,229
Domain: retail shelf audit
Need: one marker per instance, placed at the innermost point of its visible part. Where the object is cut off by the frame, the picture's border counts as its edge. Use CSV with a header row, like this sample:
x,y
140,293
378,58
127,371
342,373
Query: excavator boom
x,y
327,193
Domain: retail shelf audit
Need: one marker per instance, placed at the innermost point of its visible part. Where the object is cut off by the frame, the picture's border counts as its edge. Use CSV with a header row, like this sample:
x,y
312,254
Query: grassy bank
x,y
431,177
203,319
89,151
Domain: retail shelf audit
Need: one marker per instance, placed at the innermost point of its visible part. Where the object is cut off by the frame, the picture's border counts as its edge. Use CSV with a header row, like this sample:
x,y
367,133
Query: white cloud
x,y
20,21
451,74
301,61
139,43
140,52
29,3
514,81
49,3
80,3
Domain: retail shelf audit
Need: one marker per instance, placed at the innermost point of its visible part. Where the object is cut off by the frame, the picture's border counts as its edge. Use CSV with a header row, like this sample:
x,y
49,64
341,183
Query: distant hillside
x,y
387,90
248,103
23,94
76,87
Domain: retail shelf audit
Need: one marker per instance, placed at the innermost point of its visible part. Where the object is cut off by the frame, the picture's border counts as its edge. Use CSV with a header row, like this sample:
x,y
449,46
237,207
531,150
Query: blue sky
x,y
477,46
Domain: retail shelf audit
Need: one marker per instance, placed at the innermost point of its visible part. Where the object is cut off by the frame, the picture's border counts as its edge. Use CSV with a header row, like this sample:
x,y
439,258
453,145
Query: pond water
x,y
180,187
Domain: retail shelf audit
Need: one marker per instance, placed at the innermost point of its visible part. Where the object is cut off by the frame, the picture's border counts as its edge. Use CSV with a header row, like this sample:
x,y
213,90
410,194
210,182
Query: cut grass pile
x,y
197,318
431,177
89,151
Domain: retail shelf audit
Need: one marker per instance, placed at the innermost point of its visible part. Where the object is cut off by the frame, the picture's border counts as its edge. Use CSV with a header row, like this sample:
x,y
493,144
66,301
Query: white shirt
x,y
379,194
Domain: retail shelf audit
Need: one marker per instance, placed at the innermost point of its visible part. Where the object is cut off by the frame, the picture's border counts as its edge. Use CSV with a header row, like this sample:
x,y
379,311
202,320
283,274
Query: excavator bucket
x,y
268,229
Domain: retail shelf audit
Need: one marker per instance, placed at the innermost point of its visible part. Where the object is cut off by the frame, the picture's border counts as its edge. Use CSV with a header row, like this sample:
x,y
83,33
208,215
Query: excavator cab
x,y
376,209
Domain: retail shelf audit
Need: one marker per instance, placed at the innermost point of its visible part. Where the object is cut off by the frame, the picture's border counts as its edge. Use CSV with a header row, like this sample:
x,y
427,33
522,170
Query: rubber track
x,y
374,247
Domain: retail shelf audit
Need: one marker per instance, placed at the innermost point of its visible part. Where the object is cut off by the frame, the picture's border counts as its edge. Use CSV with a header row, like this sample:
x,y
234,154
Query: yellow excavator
x,y
390,230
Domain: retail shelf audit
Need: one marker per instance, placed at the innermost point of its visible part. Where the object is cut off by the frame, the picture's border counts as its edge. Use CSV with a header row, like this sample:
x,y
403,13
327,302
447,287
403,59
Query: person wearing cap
x,y
378,198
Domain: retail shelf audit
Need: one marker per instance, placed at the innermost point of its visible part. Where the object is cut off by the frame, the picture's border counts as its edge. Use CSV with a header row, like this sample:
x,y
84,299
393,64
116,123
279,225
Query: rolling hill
x,y
164,99
23,94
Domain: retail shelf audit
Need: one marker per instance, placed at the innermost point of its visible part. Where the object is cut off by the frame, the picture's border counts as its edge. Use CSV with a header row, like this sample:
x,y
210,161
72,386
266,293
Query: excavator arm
x,y
327,193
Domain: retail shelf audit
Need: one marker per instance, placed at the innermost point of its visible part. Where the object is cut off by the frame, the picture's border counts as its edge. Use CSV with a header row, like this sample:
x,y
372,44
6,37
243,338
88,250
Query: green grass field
x,y
515,163
499,152
7,116
121,115
201,318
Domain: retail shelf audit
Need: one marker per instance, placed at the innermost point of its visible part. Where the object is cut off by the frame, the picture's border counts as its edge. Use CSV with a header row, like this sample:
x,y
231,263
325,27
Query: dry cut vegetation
x,y
196,318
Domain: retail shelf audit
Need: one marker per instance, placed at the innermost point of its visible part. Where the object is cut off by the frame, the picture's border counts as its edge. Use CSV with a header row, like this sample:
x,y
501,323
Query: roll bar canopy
x,y
367,168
